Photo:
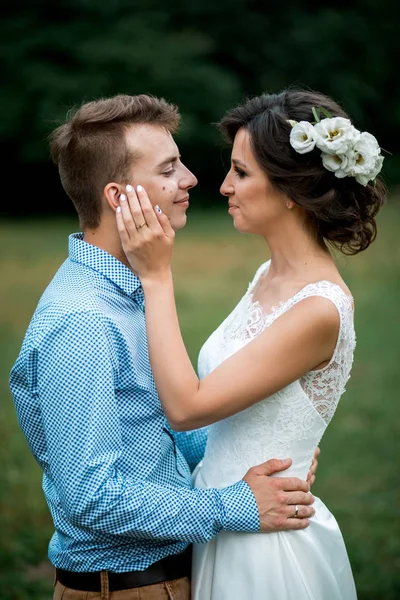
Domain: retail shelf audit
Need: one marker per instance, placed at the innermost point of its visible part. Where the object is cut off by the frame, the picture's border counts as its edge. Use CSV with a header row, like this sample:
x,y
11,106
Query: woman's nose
x,y
226,188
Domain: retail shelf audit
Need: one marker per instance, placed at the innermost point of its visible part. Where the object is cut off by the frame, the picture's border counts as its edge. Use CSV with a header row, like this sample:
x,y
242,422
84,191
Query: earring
x,y
288,204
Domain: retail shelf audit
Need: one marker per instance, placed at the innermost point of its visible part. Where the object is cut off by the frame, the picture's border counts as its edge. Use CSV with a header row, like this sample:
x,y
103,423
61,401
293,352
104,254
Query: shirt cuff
x,y
240,508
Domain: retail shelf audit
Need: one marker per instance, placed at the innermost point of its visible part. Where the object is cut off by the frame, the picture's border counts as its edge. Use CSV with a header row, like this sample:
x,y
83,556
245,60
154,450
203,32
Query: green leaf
x,y
325,112
316,115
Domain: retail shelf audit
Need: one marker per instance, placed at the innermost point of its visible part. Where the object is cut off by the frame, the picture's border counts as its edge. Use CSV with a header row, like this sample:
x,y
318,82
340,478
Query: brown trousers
x,y
177,589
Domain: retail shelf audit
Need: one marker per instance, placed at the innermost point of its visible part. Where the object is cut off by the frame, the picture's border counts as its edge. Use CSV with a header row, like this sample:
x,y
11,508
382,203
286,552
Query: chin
x,y
178,222
240,226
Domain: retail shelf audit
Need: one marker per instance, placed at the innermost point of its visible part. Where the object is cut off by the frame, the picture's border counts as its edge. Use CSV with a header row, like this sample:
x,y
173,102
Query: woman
x,y
272,374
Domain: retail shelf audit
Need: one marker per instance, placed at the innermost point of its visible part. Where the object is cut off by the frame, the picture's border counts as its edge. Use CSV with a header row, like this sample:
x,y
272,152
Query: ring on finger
x,y
140,226
296,512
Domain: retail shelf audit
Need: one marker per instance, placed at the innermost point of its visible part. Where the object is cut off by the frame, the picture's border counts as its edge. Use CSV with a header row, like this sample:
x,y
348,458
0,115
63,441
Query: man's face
x,y
159,170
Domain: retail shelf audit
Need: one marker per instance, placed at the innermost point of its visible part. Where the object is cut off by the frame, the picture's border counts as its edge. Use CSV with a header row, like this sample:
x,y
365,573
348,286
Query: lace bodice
x,y
291,422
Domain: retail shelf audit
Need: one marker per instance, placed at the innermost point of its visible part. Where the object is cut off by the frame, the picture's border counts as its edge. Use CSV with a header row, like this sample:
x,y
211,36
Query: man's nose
x,y
189,180
193,180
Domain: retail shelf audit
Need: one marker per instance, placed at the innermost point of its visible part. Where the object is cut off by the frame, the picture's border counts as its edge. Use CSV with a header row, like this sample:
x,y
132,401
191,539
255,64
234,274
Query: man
x,y
116,478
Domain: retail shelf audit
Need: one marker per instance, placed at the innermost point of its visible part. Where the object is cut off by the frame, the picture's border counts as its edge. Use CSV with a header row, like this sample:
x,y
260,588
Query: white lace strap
x,y
262,269
325,289
325,386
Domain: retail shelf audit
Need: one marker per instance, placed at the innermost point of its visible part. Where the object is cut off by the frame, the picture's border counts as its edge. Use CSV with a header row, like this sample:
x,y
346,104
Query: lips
x,y
182,200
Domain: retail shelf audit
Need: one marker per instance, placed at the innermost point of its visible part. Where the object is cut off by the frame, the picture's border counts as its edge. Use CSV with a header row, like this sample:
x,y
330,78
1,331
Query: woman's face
x,y
255,205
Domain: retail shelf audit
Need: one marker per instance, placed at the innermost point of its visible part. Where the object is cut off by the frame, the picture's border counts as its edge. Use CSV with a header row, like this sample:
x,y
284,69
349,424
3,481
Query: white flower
x,y
377,169
367,158
302,137
364,178
340,164
345,151
335,135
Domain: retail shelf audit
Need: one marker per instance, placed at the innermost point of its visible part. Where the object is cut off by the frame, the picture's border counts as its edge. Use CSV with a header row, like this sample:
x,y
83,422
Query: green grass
x,y
358,473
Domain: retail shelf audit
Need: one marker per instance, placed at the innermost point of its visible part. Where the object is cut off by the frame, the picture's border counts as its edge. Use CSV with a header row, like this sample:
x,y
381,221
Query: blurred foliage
x,y
205,56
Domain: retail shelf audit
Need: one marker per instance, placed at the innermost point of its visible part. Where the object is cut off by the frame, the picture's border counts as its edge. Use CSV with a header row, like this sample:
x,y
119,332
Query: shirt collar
x,y
101,261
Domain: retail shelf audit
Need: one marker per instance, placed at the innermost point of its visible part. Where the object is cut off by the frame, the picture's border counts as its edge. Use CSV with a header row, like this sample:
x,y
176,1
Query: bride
x,y
272,374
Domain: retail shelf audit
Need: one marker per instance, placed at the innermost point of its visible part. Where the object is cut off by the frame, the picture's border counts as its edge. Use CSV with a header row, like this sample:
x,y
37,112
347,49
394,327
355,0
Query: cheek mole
x,y
163,188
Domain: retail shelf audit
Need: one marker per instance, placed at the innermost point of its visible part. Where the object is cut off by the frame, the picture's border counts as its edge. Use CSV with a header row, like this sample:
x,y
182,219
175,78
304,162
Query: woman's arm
x,y
294,344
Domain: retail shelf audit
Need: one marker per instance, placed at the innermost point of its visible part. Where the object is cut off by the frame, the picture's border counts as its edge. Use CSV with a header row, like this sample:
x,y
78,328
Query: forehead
x,y
152,143
242,147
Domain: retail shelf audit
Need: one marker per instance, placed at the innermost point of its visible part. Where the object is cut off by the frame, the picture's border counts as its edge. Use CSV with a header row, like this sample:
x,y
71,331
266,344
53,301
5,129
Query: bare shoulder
x,y
309,329
316,311
313,319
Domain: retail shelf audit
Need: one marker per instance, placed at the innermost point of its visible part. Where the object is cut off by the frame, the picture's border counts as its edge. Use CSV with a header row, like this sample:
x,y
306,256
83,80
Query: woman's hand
x,y
313,468
146,234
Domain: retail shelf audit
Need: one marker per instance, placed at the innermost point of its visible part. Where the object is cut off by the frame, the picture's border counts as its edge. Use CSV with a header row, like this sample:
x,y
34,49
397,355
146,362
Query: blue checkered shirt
x,y
116,478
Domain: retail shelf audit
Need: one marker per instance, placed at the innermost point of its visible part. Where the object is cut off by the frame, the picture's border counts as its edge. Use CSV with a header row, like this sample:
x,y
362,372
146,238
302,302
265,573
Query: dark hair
x,y
90,149
341,211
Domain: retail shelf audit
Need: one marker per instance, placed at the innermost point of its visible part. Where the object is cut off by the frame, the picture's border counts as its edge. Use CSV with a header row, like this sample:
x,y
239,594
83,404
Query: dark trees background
x,y
204,55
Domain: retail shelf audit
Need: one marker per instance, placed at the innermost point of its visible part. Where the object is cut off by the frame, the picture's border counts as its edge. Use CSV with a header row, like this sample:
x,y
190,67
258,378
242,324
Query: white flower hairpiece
x,y
345,151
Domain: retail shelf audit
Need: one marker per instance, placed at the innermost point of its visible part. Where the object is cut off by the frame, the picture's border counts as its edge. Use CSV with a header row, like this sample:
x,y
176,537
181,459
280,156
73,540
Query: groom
x,y
116,478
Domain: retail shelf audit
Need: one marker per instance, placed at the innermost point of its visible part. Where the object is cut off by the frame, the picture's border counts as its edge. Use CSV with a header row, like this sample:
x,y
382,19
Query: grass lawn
x,y
358,475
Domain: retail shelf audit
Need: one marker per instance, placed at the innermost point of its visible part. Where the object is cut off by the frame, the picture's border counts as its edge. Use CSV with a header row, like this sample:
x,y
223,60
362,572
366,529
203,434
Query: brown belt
x,y
166,569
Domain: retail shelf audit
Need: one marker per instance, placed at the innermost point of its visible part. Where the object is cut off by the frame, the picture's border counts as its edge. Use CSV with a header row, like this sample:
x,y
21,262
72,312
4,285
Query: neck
x,y
107,238
295,251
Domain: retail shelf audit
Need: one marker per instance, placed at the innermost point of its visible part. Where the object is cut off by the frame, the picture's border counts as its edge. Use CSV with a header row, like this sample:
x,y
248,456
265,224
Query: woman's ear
x,y
111,193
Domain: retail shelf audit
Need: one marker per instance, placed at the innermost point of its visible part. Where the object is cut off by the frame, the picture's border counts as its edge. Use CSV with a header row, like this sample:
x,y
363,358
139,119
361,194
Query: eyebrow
x,y
239,163
168,160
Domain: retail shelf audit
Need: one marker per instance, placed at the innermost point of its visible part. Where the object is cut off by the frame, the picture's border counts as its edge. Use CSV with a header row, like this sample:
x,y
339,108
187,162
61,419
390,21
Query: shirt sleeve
x,y
192,444
75,385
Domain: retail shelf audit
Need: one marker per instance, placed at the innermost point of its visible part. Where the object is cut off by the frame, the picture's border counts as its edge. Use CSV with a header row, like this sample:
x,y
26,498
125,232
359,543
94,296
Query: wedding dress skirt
x,y
310,564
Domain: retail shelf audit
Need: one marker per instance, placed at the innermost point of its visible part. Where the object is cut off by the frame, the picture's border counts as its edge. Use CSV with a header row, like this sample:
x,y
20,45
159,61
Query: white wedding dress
x,y
311,564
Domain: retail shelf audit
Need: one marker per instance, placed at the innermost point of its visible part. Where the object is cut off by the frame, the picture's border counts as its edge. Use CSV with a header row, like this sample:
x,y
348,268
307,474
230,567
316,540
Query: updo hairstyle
x,y
341,211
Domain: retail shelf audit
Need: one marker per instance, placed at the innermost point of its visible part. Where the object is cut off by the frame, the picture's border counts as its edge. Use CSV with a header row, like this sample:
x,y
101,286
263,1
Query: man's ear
x,y
111,193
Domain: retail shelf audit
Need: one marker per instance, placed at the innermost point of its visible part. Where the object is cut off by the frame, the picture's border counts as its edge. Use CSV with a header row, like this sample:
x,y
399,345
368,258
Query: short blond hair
x,y
89,148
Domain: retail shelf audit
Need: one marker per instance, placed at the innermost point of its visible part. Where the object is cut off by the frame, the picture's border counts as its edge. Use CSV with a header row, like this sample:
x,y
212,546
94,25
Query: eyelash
x,y
168,173
240,173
